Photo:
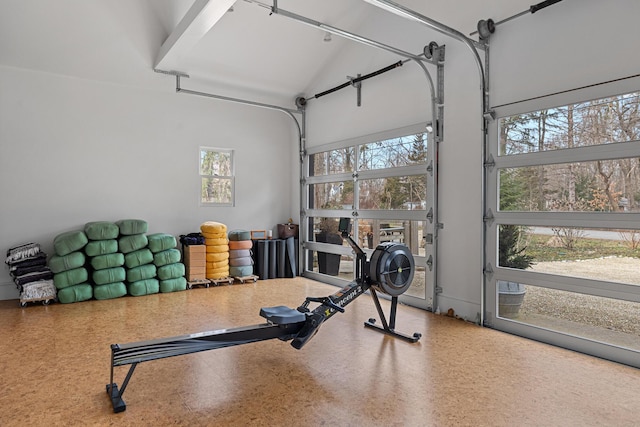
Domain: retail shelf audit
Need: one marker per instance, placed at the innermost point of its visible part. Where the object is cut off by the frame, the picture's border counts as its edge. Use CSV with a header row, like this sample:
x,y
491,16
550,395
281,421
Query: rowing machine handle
x,y
326,301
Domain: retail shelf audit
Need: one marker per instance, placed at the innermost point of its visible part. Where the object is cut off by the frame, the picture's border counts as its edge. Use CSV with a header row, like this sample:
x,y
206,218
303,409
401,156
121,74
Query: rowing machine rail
x,y
390,271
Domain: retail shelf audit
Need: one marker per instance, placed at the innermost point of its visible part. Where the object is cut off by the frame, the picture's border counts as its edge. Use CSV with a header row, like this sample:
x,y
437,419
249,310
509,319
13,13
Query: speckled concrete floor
x,y
55,361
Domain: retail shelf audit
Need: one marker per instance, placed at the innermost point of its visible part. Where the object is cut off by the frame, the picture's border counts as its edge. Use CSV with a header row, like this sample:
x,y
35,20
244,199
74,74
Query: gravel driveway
x,y
586,315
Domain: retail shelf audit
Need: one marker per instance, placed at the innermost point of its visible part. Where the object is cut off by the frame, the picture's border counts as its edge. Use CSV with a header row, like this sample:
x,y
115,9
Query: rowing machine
x,y
389,271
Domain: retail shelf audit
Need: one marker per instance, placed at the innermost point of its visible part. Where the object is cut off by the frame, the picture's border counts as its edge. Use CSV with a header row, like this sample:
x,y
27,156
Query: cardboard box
x,y
195,264
196,276
195,253
195,249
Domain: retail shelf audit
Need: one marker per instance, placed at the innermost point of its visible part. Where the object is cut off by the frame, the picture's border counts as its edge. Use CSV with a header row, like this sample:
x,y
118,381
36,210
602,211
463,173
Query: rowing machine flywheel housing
x,y
391,268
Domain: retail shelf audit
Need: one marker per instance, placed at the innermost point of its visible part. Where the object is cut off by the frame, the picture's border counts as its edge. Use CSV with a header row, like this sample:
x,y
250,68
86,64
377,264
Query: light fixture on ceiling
x,y
327,37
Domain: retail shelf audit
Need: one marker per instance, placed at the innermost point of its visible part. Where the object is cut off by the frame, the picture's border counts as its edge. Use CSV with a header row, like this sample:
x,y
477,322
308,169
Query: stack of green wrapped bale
x,y
68,265
166,259
138,259
106,262
215,239
240,260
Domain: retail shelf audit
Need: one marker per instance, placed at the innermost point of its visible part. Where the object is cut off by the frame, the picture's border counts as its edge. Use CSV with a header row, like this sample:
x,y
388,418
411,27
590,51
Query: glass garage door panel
x,y
372,232
335,265
393,153
596,318
576,284
589,186
598,122
332,162
611,255
383,186
332,195
398,192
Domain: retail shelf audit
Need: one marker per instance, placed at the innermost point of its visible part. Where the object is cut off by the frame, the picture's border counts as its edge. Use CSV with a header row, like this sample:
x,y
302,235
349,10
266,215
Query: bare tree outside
x,y
396,192
601,185
216,175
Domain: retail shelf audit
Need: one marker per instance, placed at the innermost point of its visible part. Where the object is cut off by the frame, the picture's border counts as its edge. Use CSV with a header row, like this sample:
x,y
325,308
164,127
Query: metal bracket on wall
x,y
430,262
490,162
488,270
489,115
434,52
488,218
172,73
358,85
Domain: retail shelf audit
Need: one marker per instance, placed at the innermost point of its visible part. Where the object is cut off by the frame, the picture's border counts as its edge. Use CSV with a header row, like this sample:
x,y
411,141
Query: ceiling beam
x,y
197,22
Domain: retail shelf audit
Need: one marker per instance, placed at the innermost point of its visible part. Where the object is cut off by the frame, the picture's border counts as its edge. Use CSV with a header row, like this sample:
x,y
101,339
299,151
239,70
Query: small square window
x,y
216,177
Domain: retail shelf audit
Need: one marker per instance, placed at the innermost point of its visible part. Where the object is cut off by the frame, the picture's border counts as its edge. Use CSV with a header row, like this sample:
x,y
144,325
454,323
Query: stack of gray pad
x,y
138,259
240,260
70,276
105,260
166,259
28,268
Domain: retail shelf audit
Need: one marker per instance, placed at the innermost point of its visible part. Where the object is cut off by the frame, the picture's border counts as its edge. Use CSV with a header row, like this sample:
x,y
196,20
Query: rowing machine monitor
x,y
344,226
389,271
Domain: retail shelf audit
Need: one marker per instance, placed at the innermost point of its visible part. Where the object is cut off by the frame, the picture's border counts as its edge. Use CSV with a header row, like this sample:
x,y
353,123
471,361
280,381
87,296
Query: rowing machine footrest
x,y
282,315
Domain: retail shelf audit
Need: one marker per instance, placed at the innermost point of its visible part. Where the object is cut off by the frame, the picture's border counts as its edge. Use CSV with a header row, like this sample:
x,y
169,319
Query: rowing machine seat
x,y
282,315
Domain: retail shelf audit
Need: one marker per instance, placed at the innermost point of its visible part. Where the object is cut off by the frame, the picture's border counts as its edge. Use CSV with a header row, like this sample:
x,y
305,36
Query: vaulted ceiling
x,y
251,47
248,47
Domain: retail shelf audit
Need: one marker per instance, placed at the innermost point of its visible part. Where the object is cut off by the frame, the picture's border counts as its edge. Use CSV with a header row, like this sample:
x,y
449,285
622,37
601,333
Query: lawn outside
x,y
609,257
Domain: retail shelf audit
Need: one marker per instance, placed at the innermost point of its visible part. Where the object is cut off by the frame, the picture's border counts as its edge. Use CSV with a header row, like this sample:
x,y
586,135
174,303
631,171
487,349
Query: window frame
x,y
229,178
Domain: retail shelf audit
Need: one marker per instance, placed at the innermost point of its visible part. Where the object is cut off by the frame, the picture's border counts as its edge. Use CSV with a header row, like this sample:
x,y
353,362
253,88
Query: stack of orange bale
x,y
215,239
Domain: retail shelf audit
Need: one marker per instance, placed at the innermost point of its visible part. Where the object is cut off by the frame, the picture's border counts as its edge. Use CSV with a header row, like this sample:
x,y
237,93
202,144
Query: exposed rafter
x,y
197,22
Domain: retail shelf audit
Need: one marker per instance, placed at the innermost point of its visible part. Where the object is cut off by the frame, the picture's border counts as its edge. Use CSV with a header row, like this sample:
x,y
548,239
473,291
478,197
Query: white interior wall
x,y
566,46
460,187
89,132
76,150
397,98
